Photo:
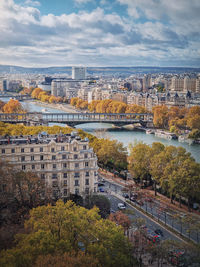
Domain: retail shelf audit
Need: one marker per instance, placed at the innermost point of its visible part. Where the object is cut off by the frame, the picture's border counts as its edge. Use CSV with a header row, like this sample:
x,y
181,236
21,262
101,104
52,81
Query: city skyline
x,y
100,33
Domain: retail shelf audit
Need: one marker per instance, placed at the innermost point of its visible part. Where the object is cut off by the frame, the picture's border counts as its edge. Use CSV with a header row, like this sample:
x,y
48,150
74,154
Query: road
x,y
116,189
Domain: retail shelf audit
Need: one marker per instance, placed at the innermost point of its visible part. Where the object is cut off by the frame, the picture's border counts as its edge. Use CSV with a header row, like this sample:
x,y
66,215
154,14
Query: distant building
x,y
78,73
65,162
3,85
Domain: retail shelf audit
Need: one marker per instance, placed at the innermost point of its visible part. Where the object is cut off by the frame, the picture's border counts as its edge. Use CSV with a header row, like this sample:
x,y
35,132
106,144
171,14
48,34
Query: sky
x,y
100,33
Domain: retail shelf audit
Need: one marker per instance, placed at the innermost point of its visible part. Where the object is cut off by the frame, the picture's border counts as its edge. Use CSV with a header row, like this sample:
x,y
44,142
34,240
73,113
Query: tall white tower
x,y
78,73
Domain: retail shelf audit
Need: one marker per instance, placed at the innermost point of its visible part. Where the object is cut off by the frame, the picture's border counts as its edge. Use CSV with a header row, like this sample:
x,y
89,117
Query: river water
x,y
126,137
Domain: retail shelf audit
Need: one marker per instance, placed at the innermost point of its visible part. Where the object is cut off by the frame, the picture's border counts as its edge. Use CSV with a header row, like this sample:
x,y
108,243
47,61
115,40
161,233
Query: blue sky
x,y
100,32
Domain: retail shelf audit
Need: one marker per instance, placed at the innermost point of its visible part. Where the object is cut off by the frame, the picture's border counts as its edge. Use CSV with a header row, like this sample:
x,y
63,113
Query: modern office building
x,y
66,163
78,73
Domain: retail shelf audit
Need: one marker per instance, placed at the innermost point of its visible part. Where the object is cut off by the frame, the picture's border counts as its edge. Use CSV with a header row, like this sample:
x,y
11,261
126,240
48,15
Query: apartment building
x,y
66,163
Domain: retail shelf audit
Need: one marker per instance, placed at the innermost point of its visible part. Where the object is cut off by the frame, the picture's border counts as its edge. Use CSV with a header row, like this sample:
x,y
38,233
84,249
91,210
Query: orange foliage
x,y
13,106
36,92
120,219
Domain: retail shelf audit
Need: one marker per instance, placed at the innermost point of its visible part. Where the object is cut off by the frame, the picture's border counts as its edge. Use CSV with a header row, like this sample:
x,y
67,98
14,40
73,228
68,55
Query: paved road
x,y
114,188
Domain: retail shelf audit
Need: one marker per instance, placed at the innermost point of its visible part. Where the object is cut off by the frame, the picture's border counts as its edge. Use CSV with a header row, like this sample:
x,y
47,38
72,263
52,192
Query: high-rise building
x,y
78,73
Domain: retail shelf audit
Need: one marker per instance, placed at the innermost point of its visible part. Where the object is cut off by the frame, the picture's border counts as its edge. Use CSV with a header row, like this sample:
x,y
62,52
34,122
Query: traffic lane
x,y
137,214
153,209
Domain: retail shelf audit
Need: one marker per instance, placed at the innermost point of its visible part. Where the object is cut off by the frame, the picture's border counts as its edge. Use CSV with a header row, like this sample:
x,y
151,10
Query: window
x,y
76,165
62,148
3,151
42,176
76,175
32,158
54,176
87,190
87,174
85,156
42,166
22,150
65,192
75,156
65,182
55,184
63,156
86,181
65,175
33,167
23,158
75,149
64,165
23,167
53,157
53,149
55,193
86,164
76,183
54,166
76,191
41,149
32,149
12,150
41,157
84,147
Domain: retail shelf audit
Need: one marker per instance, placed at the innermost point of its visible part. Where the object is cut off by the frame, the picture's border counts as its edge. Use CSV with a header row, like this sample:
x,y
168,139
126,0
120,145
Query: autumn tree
x,y
13,106
67,228
36,92
160,116
121,219
71,259
139,162
2,105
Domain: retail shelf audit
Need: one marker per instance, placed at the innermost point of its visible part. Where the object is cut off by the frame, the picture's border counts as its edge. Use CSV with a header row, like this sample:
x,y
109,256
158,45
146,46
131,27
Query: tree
x,y
2,105
121,219
101,202
67,228
110,154
139,162
13,106
160,116
71,259
36,92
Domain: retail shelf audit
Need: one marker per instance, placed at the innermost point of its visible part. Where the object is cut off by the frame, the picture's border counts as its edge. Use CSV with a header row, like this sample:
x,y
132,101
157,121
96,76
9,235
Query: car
x,y
125,195
101,184
159,232
121,206
101,190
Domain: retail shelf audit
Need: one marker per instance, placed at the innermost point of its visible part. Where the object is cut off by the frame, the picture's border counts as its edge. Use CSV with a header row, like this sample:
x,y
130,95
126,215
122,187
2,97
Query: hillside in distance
x,y
97,71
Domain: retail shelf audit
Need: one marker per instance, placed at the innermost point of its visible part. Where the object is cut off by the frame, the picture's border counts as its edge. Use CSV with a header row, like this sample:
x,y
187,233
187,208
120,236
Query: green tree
x,y
64,228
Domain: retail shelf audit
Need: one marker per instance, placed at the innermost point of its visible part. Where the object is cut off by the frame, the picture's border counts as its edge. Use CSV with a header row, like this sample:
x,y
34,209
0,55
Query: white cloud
x,y
32,3
90,38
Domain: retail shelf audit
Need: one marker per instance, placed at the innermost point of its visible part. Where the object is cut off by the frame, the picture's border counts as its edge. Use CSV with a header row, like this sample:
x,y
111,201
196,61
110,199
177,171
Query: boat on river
x,y
166,135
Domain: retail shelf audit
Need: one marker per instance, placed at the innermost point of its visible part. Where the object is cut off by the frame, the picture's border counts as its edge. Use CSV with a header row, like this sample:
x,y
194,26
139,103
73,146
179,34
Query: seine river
x,y
126,137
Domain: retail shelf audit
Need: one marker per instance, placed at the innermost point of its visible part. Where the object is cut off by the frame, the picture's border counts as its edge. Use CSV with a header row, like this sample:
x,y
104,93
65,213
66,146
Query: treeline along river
x,y
124,136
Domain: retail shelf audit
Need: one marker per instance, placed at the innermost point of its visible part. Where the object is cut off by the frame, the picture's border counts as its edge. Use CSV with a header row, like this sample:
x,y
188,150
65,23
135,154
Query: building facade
x,y
78,73
66,163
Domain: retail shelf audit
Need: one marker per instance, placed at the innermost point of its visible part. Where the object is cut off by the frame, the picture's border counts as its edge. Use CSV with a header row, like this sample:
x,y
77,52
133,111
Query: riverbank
x,y
63,107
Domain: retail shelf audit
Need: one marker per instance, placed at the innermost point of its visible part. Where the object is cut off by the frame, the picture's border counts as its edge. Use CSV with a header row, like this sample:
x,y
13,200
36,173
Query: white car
x,y
121,206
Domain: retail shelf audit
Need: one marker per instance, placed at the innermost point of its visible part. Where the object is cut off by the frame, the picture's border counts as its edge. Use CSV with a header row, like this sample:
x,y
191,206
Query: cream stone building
x,y
66,163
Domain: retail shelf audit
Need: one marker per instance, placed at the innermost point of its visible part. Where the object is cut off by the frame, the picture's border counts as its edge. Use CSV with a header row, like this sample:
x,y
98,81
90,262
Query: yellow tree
x,y
36,92
13,106
161,117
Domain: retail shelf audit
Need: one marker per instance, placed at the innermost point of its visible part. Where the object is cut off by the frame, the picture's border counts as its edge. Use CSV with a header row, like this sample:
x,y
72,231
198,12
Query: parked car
x,y
101,184
125,195
101,190
121,206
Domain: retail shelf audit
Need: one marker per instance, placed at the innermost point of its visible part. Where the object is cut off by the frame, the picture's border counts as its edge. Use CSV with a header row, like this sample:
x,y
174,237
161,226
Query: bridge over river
x,y
72,119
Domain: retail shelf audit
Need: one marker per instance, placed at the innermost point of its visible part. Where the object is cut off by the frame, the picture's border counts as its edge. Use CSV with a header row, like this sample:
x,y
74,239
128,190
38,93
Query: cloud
x,y
32,3
93,38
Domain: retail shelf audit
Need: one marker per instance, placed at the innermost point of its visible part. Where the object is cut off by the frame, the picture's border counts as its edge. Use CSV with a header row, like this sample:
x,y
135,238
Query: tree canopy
x,y
67,228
